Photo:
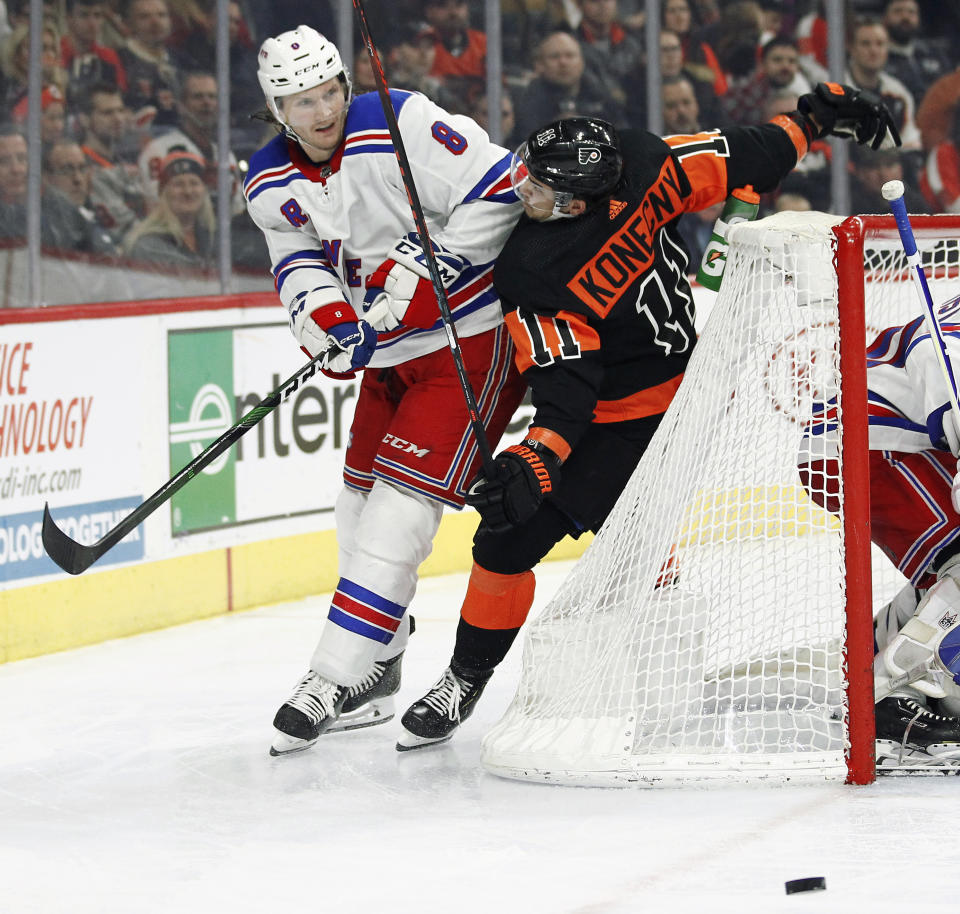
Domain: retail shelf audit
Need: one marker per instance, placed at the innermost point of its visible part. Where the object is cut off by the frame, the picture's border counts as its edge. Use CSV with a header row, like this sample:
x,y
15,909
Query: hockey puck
x,y
810,884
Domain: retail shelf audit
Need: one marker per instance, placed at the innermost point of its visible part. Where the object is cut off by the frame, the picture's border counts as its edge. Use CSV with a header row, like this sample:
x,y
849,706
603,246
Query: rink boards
x,y
101,405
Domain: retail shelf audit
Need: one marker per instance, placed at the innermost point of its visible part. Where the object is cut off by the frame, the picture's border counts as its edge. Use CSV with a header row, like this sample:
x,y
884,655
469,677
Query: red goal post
x,y
853,236
720,625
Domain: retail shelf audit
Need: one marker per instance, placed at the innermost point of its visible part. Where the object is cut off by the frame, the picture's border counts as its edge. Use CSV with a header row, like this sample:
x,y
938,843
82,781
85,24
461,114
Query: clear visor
x,y
535,195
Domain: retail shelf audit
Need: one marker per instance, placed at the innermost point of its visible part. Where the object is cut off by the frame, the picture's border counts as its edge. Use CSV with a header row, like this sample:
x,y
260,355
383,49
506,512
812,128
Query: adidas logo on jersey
x,y
616,207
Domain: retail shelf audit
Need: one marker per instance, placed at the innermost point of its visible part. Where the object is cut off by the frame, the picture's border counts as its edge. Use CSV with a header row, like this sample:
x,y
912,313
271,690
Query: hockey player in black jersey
x,y
595,294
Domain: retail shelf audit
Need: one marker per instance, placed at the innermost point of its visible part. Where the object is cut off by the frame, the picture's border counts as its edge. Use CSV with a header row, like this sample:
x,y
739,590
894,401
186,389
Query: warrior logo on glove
x,y
525,473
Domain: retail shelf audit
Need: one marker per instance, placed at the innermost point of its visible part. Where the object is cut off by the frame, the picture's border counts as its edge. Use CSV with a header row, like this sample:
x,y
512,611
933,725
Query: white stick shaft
x,y
899,209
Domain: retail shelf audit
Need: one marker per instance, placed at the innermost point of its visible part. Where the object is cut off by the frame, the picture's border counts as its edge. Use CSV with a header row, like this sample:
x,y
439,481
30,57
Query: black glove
x,y
832,109
524,474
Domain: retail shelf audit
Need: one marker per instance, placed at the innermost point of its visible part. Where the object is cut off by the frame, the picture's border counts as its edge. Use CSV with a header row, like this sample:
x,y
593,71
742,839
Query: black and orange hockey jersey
x,y
599,306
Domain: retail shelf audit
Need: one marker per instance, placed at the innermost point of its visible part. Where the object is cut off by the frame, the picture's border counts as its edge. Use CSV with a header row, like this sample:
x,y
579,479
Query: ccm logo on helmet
x,y
588,155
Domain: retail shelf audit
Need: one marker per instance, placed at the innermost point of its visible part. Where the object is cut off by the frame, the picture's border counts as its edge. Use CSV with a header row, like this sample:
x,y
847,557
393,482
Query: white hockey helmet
x,y
297,60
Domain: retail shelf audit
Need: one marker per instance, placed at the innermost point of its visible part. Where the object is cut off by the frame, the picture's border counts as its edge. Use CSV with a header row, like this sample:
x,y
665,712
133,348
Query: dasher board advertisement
x,y
63,404
97,414
289,465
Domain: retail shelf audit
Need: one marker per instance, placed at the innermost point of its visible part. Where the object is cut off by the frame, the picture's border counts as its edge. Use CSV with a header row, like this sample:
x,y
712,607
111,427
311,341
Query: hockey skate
x,y
911,735
370,702
314,708
436,717
315,705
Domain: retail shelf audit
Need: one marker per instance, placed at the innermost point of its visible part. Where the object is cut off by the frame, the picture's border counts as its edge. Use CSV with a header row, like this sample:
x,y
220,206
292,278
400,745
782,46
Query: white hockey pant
x,y
923,658
383,538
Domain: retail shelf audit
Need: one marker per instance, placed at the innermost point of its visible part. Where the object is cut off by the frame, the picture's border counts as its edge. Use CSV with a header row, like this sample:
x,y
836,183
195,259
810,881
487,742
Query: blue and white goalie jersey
x,y
332,225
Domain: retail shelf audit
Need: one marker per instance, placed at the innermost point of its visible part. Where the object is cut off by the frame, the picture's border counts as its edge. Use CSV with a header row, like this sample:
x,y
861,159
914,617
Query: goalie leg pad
x,y
925,654
888,622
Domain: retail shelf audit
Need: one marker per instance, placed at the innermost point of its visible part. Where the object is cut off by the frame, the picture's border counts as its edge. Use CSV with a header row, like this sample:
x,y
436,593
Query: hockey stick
x,y
479,432
75,558
893,193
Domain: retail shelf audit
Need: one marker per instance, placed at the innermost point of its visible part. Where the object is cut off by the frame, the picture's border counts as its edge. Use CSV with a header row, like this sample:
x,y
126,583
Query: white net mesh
x,y
701,634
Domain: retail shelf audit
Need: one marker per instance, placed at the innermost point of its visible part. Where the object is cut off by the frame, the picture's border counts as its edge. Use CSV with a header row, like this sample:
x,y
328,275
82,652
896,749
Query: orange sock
x,y
496,601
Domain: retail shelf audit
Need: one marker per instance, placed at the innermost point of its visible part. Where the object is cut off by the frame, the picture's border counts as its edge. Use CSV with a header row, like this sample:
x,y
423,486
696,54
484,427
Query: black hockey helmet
x,y
576,155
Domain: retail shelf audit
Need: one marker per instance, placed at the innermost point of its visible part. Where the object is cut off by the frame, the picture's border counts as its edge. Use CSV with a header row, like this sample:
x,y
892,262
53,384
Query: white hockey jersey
x,y
333,225
906,391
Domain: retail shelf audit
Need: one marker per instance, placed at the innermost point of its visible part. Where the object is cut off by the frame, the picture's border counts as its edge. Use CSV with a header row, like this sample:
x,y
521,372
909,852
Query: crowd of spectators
x,y
128,126
721,62
130,101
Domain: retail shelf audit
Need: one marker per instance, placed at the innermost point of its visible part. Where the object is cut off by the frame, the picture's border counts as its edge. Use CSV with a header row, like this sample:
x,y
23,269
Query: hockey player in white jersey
x,y
328,195
915,520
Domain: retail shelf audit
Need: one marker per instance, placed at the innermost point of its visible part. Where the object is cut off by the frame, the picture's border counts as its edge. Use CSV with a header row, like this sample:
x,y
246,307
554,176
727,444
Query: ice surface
x,y
134,778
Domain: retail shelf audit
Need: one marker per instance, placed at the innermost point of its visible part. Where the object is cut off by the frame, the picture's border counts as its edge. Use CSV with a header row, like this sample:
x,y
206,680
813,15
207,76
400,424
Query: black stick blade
x,y
70,555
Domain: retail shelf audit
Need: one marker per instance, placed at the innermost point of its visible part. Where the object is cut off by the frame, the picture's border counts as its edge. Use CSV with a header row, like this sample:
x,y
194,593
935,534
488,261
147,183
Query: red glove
x,y
400,291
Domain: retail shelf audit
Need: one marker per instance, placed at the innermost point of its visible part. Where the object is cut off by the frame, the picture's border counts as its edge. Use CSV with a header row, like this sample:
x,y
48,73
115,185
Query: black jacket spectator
x,y
563,88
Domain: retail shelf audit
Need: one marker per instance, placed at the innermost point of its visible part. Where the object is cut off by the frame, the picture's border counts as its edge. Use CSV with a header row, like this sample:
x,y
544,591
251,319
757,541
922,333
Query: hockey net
x,y
720,625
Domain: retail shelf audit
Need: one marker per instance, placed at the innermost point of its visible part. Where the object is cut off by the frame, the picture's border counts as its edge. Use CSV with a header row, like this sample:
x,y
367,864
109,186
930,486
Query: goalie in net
x,y
594,291
914,507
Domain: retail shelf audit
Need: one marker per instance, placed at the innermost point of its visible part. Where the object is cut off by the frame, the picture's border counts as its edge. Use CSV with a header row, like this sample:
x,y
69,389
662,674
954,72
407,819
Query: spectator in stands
x,y
671,53
191,21
940,178
868,51
13,183
811,35
936,117
561,88
610,54
771,20
66,178
681,113
871,170
245,92
777,72
672,64
114,28
62,226
53,120
524,23
480,111
16,51
362,72
705,12
273,17
18,12
409,60
116,190
180,230
915,61
735,39
195,132
86,60
199,51
700,60
460,50
151,67
676,16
